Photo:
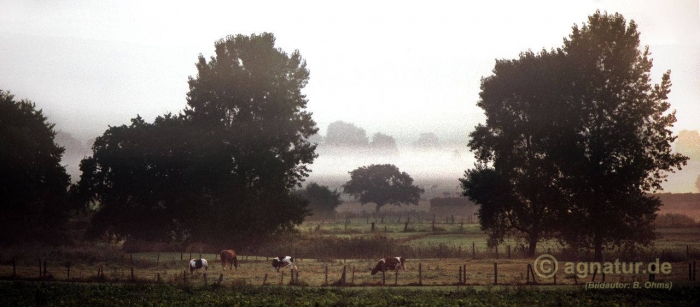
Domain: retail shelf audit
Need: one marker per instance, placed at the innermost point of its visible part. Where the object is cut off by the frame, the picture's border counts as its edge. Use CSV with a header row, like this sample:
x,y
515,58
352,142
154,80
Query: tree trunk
x,y
598,245
532,247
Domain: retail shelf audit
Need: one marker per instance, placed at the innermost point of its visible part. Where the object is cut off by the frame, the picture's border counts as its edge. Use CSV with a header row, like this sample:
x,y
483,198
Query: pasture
x,y
438,251
446,257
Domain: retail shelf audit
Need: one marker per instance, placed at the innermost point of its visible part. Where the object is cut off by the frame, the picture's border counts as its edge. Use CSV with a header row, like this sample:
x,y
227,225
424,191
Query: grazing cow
x,y
394,263
285,261
196,264
229,256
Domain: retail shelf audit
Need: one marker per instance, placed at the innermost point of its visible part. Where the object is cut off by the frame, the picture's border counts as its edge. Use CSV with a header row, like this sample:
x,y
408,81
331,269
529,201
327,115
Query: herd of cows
x,y
228,257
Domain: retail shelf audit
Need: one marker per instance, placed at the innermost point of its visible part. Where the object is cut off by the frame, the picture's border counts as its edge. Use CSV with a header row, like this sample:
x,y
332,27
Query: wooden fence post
x,y
326,275
396,277
342,277
383,275
353,275
420,274
67,270
460,274
464,269
282,278
508,251
473,250
495,273
264,279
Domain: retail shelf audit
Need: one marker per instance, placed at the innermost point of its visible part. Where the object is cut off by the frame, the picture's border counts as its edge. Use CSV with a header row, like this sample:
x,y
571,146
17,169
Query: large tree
x,y
516,194
587,135
382,184
618,145
222,171
33,183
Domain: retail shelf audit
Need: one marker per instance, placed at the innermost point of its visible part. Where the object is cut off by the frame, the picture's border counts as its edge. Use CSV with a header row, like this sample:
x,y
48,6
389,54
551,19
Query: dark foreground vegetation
x,y
74,294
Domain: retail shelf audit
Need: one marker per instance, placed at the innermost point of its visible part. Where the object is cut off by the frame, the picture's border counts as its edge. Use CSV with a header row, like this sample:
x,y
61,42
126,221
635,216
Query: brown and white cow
x,y
279,262
394,263
196,264
229,256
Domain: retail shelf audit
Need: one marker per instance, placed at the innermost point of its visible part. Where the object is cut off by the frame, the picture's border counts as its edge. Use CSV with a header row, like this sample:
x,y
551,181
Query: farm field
x,y
325,248
436,255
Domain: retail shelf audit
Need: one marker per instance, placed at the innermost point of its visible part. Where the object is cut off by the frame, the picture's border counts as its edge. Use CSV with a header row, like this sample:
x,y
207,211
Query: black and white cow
x,y
395,263
196,264
279,262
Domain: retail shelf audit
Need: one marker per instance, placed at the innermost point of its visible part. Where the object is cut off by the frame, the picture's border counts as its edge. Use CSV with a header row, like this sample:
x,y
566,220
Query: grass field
x,y
435,255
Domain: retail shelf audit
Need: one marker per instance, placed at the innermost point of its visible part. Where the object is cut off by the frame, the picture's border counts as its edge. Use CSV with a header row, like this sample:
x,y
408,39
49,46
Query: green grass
x,y
81,294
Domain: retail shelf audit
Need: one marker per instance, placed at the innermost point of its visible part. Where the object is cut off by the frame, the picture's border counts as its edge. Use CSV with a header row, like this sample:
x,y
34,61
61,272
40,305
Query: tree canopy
x,y
382,184
580,135
223,169
322,201
384,144
33,183
520,104
341,133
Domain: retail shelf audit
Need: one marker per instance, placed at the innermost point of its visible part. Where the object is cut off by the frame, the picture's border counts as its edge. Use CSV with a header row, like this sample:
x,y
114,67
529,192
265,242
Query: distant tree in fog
x,y
340,133
427,140
382,184
33,184
383,143
697,183
322,201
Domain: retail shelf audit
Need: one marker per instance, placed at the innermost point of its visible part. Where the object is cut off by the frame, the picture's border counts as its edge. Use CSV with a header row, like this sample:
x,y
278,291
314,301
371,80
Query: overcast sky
x,y
397,67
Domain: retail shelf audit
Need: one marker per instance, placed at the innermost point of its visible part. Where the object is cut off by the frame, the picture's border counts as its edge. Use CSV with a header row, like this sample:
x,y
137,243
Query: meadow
x,y
445,254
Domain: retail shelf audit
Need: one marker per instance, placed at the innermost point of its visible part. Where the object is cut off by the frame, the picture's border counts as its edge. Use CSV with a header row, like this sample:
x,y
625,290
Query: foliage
x,y
581,135
340,133
384,144
382,184
620,141
223,169
33,182
516,194
322,201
